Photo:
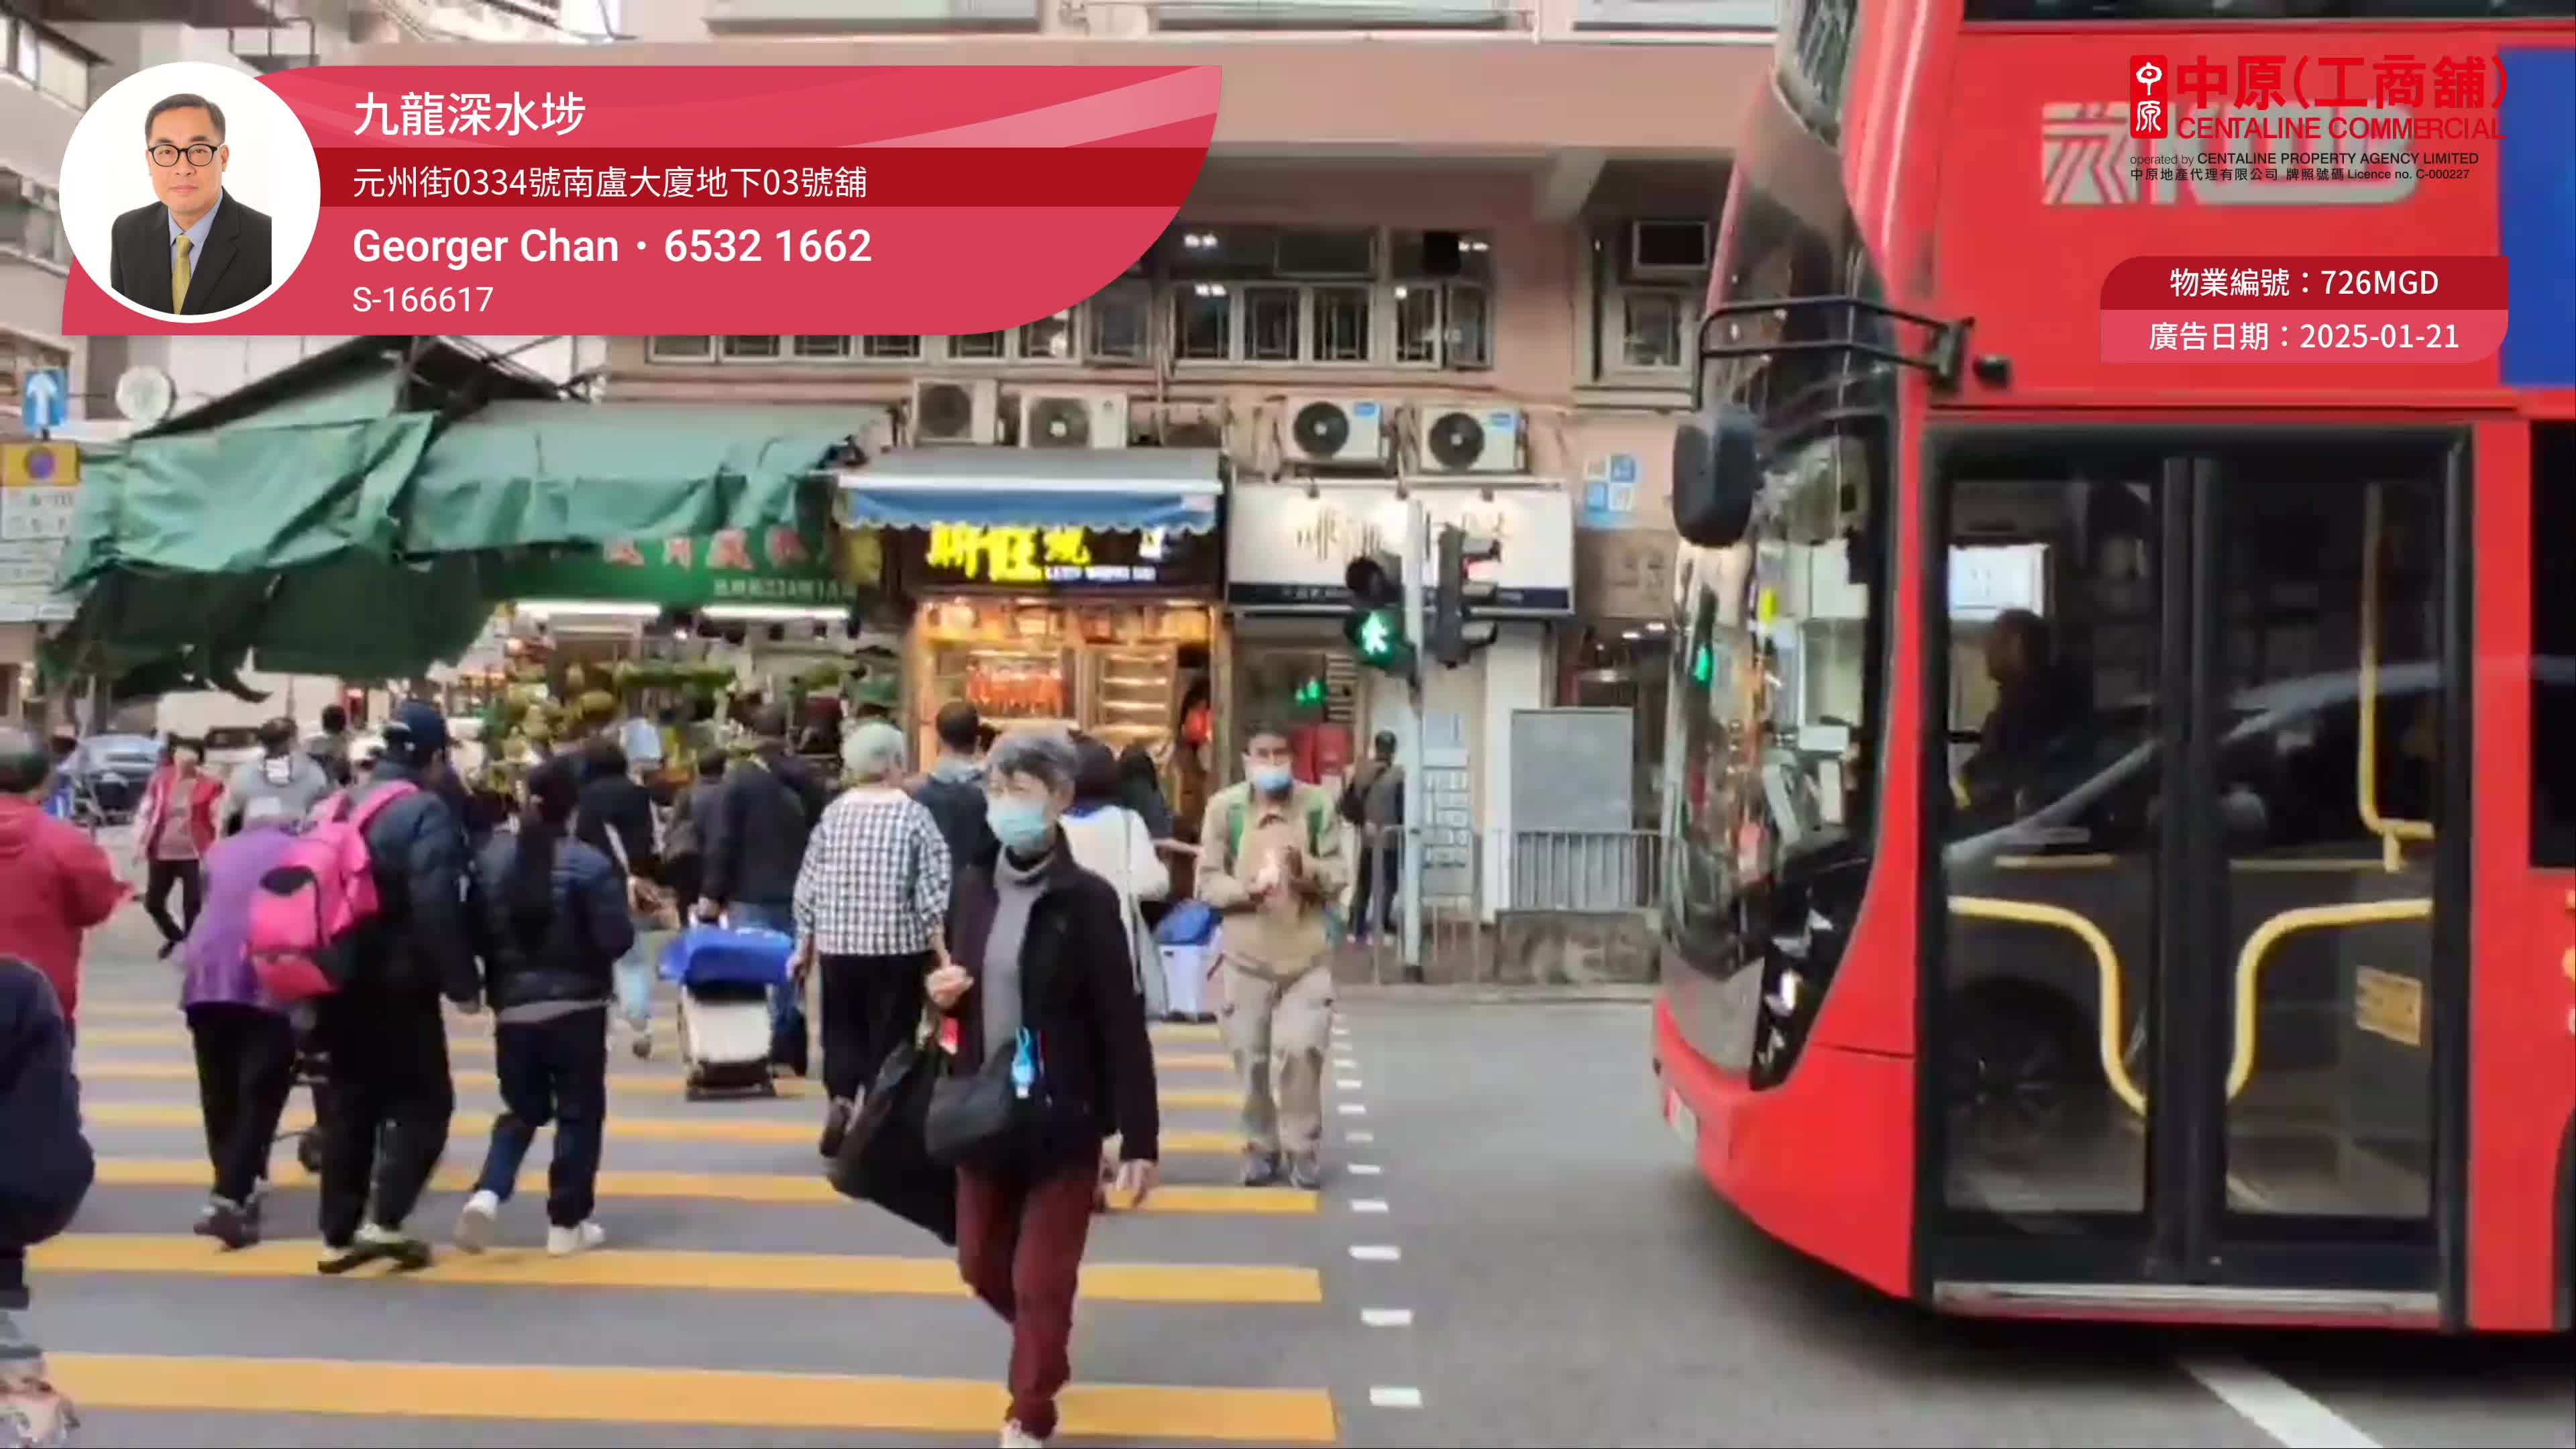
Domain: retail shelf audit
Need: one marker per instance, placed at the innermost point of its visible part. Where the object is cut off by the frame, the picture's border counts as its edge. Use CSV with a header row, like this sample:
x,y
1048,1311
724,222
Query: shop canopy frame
x,y
345,515
1178,489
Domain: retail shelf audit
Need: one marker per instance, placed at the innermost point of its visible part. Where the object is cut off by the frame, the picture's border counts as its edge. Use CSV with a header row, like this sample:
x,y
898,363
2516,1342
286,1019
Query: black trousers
x,y
245,1068
1373,902
389,1083
552,1071
157,880
870,1005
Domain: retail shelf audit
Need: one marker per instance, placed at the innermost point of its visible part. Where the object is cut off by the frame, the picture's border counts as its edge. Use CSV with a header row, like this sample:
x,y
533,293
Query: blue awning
x,y
1115,488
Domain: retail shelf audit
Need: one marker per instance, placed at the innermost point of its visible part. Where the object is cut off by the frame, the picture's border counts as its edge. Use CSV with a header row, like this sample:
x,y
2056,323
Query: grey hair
x,y
1044,755
873,751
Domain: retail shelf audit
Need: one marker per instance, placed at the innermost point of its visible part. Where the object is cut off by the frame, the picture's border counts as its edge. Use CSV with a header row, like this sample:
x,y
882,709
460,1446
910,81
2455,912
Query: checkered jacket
x,y
875,878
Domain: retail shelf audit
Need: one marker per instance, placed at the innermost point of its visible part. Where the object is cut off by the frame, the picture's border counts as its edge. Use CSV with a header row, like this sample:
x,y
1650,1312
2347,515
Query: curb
x,y
1474,994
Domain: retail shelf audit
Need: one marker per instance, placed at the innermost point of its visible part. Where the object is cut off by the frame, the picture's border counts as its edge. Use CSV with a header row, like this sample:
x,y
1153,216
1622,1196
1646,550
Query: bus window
x,y
2264,10
2553,645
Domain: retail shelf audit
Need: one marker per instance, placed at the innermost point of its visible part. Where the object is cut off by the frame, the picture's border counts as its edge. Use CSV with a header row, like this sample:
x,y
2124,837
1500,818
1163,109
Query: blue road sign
x,y
44,404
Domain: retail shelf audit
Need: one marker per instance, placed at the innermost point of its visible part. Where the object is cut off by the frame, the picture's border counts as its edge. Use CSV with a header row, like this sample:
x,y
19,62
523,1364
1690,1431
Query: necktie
x,y
179,275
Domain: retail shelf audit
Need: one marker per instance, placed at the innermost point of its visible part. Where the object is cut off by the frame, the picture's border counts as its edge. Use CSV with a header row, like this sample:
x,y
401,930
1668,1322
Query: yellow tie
x,y
179,275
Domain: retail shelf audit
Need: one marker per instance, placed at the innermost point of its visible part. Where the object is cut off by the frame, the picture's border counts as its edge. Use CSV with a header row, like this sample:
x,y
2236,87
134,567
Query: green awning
x,y
365,548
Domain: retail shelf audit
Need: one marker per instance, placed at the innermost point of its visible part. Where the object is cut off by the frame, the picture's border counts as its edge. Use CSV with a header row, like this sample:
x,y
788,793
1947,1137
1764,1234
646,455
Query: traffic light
x,y
1375,625
1455,638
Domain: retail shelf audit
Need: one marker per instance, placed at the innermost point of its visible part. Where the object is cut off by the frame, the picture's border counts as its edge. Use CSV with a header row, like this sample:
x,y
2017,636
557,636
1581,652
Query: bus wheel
x,y
2014,1082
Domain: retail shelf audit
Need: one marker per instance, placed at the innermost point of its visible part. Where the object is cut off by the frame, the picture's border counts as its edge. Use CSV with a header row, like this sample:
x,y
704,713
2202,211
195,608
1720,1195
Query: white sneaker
x,y
1015,1437
564,1242
474,1225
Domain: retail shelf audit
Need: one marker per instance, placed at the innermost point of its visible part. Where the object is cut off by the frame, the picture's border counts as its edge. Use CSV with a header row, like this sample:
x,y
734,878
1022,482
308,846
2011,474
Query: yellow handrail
x,y
2366,756
2106,962
2252,958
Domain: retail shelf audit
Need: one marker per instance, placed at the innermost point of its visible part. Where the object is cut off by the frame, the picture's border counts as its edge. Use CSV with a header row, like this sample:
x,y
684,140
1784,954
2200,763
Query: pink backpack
x,y
308,909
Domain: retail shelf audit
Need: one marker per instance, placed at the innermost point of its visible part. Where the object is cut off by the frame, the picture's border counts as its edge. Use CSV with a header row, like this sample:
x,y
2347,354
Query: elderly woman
x,y
870,897
1041,956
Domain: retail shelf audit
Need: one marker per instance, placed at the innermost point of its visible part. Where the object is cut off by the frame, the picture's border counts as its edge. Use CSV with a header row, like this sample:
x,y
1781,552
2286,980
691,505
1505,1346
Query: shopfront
x,y
1288,545
1073,588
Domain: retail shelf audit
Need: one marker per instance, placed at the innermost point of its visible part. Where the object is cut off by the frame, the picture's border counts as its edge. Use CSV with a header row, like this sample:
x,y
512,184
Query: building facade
x,y
1460,259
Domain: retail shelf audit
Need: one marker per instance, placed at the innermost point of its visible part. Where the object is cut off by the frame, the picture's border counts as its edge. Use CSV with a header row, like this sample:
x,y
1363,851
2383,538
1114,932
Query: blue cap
x,y
420,724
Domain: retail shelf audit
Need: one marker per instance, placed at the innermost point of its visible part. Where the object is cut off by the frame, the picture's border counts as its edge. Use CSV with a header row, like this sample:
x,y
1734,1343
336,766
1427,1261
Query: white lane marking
x,y
1354,1109
2275,1406
1347,1084
1365,1169
1376,1253
1368,1204
1383,1396
1359,1138
1387,1317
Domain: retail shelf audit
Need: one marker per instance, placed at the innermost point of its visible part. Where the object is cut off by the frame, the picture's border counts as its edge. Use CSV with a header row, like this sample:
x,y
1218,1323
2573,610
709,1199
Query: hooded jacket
x,y
48,1167
588,929
418,942
59,885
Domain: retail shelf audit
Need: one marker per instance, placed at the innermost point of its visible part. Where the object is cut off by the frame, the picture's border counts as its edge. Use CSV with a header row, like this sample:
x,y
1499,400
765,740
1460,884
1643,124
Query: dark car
x,y
113,771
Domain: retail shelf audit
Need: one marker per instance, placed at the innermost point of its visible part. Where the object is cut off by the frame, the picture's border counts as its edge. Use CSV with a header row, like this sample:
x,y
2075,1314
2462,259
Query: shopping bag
x,y
885,1158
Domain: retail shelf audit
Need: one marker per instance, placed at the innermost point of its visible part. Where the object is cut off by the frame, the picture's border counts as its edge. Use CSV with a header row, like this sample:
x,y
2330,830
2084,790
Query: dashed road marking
x,y
1368,1204
1366,1169
1360,1138
1387,1317
1376,1252
1354,1109
2276,1406
1347,1084
1386,1396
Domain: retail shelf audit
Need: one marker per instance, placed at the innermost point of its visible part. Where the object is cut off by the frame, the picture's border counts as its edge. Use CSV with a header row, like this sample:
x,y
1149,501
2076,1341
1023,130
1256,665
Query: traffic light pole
x,y
1417,549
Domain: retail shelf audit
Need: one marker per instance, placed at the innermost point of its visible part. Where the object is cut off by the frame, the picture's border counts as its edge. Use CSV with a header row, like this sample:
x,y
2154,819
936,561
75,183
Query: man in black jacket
x,y
953,792
755,841
45,1171
615,818
383,1034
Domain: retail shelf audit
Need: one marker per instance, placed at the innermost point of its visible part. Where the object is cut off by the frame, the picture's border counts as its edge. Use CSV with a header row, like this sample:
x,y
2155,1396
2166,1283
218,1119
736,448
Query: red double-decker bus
x,y
2122,761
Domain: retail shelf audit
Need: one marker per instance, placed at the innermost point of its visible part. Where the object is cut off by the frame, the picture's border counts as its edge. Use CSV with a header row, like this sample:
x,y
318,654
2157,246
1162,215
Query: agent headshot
x,y
197,249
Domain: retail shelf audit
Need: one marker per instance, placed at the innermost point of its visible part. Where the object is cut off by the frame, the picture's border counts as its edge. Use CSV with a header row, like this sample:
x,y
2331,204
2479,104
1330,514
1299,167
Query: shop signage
x,y
737,566
1017,556
38,493
1288,551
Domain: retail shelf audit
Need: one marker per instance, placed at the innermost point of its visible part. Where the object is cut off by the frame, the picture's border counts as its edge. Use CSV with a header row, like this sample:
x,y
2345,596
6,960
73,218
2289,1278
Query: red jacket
x,y
205,794
55,883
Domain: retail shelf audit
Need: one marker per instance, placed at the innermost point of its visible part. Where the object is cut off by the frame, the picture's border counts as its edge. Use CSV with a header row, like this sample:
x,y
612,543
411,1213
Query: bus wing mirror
x,y
1717,471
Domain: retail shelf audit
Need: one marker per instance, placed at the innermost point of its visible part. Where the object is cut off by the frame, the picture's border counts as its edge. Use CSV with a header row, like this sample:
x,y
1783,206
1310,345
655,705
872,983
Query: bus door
x,y
2193,1007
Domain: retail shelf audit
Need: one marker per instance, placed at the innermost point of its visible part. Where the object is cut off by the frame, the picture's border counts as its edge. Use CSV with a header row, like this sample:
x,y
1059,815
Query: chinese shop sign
x,y
778,565
963,555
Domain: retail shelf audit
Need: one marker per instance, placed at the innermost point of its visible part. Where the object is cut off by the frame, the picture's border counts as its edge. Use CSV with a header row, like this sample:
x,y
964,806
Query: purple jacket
x,y
218,949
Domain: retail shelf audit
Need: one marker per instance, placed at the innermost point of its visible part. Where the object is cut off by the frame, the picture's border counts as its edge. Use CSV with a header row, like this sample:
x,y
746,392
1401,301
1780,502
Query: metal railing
x,y
1472,879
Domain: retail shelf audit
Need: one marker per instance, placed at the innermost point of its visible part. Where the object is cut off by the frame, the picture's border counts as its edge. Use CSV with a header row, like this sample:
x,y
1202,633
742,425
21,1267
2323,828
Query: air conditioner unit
x,y
968,410
1469,440
1341,431
1073,420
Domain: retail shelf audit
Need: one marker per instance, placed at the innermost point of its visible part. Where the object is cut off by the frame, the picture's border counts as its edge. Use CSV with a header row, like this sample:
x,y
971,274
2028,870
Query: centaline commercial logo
x,y
2150,98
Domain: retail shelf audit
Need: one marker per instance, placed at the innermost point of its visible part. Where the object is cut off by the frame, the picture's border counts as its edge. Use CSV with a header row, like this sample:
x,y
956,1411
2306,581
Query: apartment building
x,y
1448,249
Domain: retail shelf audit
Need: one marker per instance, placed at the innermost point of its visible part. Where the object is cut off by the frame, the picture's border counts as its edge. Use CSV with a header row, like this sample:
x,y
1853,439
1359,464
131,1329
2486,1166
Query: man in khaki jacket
x,y
1270,861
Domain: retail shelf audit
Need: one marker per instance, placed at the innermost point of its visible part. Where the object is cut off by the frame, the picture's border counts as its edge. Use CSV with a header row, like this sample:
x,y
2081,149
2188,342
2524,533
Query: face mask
x,y
1270,779
1018,823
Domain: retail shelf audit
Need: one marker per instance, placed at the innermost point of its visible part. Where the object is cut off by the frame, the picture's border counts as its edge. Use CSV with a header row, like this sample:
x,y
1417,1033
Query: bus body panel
x,y
1814,1162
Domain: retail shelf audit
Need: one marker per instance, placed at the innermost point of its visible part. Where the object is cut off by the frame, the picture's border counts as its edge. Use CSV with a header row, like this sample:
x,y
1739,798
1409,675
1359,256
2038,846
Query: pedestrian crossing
x,y
738,1293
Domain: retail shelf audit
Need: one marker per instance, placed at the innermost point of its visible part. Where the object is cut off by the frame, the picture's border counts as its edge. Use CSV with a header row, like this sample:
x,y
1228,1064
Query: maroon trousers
x,y
1019,1246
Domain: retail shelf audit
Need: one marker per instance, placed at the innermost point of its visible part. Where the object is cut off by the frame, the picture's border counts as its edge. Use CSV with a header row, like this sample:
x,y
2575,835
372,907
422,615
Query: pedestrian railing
x,y
1590,872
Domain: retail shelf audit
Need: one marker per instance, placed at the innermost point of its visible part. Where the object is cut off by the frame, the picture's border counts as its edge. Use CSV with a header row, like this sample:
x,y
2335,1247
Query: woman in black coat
x,y
1041,961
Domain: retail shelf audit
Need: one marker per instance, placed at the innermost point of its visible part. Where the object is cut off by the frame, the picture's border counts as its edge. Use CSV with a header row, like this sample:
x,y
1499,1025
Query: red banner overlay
x,y
2184,333
2304,311
780,199
2308,284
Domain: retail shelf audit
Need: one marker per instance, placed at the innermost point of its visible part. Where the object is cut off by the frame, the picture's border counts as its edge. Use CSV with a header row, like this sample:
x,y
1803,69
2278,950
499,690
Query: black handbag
x,y
976,1120
885,1157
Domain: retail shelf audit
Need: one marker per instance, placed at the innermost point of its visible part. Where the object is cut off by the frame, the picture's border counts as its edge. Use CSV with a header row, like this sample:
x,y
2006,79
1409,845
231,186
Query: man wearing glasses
x,y
196,250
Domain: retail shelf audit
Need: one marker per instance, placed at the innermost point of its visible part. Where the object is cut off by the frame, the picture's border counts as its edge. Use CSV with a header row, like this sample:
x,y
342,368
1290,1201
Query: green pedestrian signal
x,y
1374,624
